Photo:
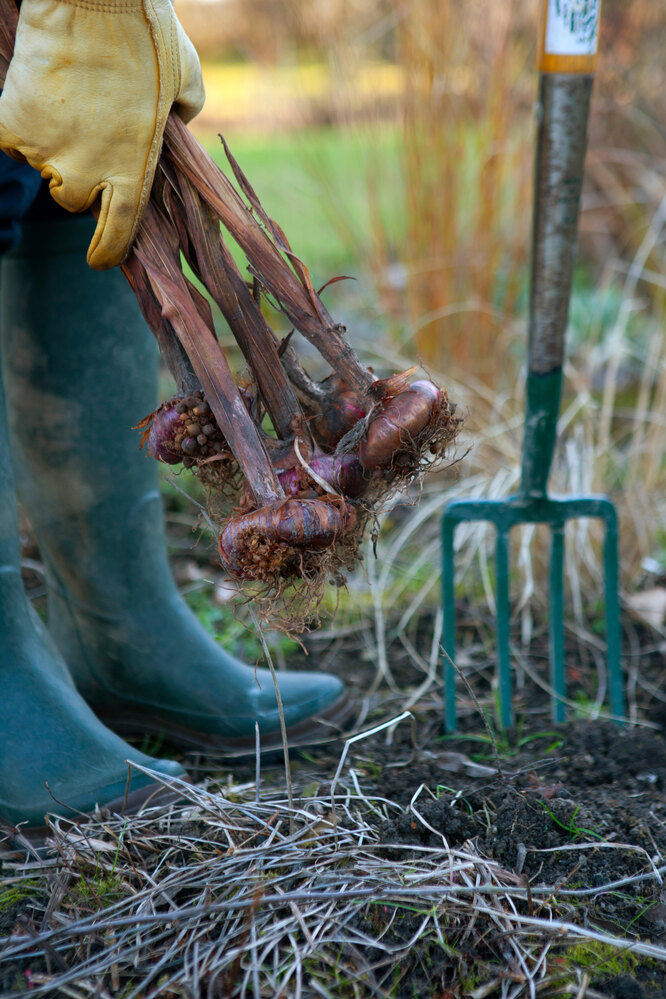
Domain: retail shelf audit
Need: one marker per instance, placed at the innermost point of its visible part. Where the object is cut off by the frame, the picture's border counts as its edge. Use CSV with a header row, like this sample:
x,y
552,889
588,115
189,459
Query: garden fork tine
x,y
568,41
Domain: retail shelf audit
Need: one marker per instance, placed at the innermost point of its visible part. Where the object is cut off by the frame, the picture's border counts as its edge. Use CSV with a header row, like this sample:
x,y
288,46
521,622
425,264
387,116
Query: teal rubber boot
x,y
55,755
82,370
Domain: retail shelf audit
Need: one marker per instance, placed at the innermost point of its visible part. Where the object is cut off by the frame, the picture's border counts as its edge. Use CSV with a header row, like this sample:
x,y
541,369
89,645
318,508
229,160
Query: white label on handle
x,y
572,27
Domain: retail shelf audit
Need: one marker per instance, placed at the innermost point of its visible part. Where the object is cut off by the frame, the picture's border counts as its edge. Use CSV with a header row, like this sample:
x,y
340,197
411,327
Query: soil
x,y
598,783
573,807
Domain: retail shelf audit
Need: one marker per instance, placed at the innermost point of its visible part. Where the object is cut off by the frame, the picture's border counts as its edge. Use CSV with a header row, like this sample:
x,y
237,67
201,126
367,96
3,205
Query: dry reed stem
x,y
210,364
207,254
265,243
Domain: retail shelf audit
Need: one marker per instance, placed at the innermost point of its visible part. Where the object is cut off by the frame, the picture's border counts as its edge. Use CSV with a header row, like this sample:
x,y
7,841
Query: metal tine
x,y
611,556
503,619
449,623
494,512
557,680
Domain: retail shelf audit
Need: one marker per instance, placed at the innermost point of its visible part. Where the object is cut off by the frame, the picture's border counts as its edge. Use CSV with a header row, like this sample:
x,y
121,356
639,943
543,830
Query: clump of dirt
x,y
445,821
601,784
604,753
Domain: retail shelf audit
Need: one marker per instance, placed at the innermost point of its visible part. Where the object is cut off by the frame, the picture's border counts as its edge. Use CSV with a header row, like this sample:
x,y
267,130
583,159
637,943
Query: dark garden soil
x,y
577,806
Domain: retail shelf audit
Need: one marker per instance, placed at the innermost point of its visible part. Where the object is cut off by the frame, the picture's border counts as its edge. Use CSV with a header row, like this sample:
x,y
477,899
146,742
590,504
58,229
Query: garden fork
x,y
567,60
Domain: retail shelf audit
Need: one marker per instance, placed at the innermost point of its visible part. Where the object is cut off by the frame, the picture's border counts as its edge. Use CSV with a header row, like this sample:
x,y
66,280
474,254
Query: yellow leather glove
x,y
86,99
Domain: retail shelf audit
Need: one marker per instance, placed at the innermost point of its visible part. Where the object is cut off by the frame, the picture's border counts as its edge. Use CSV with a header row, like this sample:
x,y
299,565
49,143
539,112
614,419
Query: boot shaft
x,y
12,599
81,371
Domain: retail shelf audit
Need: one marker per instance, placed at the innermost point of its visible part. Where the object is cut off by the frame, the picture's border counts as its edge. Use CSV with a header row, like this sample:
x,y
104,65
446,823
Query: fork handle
x,y
563,109
566,60
567,54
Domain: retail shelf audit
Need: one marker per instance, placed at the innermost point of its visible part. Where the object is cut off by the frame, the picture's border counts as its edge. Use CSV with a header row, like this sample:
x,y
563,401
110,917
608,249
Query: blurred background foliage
x,y
393,141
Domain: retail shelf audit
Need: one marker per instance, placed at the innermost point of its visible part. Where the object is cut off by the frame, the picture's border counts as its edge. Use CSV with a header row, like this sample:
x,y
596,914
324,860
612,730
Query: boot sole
x,y
325,727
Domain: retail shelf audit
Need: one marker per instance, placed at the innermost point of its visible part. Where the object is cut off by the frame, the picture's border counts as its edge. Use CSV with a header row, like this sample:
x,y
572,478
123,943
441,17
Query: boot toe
x,y
307,695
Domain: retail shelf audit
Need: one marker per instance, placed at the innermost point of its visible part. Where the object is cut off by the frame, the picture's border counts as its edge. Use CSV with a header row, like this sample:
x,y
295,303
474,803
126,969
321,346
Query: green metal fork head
x,y
505,514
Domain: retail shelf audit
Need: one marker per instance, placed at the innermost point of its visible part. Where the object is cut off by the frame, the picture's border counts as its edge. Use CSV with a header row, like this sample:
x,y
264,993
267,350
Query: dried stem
x,y
295,295
207,358
213,263
283,724
300,379
170,346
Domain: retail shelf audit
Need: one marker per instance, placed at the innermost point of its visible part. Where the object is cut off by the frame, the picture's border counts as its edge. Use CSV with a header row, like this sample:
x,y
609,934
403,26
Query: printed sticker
x,y
572,27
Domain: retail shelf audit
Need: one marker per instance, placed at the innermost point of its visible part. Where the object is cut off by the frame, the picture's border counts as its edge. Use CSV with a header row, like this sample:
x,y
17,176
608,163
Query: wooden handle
x,y
568,36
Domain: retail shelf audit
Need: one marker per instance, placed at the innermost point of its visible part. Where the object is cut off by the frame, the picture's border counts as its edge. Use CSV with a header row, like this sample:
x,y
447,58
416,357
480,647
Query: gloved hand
x,y
86,99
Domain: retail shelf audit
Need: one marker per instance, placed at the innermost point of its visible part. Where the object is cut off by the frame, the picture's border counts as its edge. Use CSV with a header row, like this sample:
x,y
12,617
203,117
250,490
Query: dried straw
x,y
236,891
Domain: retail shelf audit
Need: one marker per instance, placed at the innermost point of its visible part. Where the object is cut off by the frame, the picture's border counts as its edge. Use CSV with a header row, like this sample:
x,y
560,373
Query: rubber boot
x,y
82,372
55,755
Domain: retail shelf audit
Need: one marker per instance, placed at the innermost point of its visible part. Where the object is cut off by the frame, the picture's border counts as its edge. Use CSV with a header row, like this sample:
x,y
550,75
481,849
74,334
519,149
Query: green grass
x,y
604,960
235,635
338,192
507,744
13,894
339,195
98,886
575,831
314,183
